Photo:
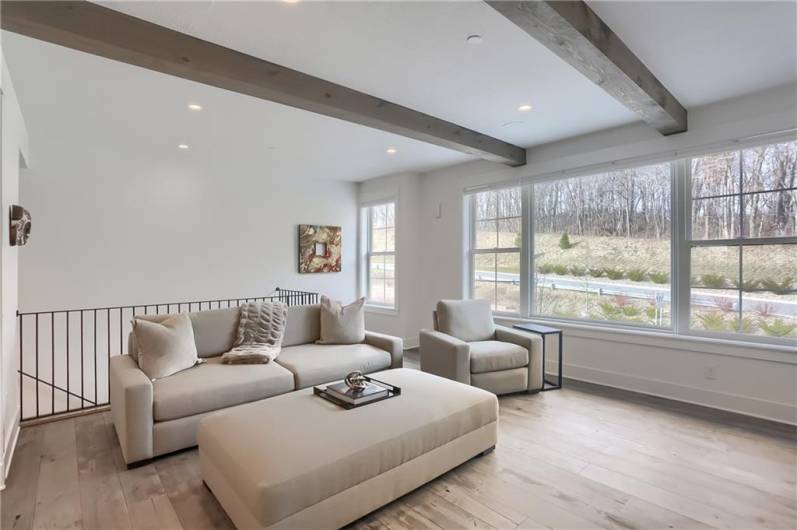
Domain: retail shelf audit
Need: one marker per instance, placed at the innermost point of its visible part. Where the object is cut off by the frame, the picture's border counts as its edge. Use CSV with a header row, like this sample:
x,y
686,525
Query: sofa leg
x,y
487,451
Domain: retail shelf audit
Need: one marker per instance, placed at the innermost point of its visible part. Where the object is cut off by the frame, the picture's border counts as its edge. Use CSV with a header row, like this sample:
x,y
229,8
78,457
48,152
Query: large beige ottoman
x,y
299,461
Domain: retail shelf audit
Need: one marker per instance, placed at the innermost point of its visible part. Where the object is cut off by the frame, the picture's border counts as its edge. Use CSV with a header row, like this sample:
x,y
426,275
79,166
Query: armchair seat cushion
x,y
493,356
213,386
313,364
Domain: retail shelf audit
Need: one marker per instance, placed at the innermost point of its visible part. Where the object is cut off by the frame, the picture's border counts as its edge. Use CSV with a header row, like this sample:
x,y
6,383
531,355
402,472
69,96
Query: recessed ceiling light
x,y
474,39
290,1
182,146
525,107
392,150
194,106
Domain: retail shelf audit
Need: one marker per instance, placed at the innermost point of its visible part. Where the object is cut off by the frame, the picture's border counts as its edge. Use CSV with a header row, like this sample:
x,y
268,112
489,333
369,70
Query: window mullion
x,y
527,250
680,289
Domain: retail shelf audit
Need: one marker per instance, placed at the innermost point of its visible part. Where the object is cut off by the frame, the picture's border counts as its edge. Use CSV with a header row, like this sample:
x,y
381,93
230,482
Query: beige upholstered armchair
x,y
468,347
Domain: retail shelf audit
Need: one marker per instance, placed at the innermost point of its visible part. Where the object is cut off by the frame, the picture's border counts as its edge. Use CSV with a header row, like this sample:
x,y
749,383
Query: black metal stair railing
x,y
78,344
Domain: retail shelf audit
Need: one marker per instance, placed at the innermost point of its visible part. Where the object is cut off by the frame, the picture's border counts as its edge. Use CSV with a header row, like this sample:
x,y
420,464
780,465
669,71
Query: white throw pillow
x,y
342,324
165,347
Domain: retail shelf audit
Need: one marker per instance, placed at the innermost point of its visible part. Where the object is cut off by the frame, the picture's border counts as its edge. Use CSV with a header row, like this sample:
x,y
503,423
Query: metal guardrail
x,y
79,344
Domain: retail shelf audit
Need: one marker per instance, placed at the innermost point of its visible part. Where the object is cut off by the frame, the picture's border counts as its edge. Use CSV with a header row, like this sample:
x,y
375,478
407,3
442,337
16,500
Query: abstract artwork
x,y
319,248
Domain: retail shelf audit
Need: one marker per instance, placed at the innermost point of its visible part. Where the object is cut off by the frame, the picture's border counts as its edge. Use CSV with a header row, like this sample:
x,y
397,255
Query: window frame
x,y
368,253
472,251
687,243
681,241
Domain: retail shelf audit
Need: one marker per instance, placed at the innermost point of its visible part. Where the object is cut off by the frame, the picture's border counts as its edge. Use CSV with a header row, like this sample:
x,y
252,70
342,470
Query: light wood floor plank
x,y
58,492
18,501
194,504
102,500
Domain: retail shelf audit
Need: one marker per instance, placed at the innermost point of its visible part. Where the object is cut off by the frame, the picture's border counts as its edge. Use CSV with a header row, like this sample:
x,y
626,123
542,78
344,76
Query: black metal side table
x,y
544,331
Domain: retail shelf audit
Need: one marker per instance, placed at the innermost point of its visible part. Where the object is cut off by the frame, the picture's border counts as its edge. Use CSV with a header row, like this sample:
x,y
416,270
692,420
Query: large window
x,y
602,247
705,245
743,250
496,239
380,254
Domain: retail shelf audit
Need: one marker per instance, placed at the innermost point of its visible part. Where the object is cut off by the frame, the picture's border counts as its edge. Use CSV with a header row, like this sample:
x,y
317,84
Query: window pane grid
x,y
758,297
380,255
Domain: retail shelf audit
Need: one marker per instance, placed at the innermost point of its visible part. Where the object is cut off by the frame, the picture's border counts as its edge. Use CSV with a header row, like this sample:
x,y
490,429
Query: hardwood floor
x,y
581,457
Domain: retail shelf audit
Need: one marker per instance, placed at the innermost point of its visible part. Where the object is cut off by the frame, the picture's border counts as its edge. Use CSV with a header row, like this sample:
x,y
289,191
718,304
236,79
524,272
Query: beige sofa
x,y
156,418
468,347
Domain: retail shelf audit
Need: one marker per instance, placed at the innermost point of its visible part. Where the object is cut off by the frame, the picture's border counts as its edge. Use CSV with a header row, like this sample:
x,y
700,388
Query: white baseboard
x,y
750,406
8,451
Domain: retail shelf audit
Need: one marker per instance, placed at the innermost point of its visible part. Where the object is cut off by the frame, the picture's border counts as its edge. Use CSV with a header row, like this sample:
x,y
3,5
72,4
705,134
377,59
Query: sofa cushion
x,y
467,320
304,325
213,386
313,364
493,356
214,330
166,347
342,324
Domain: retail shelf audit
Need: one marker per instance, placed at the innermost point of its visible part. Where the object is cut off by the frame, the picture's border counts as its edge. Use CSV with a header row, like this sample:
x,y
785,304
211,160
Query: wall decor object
x,y
319,248
20,225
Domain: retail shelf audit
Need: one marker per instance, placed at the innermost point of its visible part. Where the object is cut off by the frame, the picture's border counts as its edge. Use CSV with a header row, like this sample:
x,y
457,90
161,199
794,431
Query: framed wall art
x,y
319,248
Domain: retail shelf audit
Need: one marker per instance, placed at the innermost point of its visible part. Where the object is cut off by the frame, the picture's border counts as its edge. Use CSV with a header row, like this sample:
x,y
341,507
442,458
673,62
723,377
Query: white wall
x,y
672,367
14,153
113,231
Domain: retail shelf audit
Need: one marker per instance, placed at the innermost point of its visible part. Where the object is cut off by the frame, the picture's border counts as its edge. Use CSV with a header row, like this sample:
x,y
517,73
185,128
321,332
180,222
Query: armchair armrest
x,y
393,345
131,408
533,343
445,356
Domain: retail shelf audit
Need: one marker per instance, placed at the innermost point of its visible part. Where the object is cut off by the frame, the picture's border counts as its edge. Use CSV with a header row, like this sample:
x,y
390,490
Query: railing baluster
x,y
108,363
68,366
21,369
82,365
52,362
95,357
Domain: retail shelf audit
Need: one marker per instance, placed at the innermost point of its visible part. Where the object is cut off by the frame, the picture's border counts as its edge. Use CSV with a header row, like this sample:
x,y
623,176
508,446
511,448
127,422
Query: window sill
x,y
381,310
667,339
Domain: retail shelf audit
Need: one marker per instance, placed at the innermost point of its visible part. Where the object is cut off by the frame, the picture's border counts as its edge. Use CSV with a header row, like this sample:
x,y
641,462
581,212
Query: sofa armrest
x,y
131,408
533,343
393,345
445,356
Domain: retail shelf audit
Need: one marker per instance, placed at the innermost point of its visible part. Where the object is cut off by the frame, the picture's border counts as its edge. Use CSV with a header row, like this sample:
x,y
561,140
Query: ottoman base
x,y
358,501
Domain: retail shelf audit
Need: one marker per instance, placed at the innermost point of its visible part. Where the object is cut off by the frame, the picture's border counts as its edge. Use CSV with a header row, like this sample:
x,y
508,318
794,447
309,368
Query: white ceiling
x,y
412,53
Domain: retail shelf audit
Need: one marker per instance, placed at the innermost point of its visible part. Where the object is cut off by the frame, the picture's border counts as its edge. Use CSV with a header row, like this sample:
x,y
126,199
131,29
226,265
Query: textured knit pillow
x,y
342,324
165,347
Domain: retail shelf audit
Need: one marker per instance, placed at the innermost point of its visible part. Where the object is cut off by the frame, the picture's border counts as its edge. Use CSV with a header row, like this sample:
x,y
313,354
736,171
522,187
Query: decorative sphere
x,y
355,380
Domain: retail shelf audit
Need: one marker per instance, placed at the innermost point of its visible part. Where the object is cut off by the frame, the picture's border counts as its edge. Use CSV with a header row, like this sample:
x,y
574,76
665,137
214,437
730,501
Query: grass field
x,y
617,261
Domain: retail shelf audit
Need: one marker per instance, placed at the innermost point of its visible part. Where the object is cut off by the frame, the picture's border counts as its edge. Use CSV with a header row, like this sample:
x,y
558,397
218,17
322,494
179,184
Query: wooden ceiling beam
x,y
101,31
576,34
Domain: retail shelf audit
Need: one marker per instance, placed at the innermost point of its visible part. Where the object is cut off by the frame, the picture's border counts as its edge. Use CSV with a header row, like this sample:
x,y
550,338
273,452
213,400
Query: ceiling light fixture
x,y
474,39
182,146
525,107
392,150
194,106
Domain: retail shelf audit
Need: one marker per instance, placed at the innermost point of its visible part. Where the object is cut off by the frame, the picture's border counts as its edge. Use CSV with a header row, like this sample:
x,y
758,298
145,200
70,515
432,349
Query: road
x,y
641,291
